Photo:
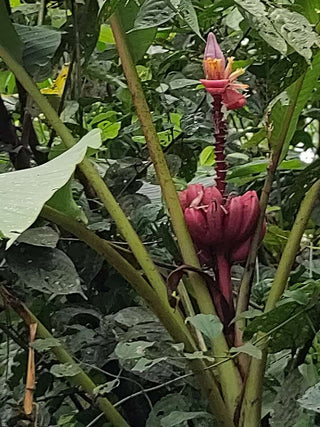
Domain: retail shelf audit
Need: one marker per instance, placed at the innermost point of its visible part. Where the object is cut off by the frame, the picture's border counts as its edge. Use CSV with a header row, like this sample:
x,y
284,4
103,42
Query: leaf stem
x,y
251,406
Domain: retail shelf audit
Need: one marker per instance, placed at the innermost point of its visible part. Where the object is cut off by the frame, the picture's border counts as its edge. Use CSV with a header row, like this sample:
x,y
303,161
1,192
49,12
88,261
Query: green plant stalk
x,y
81,379
170,319
229,375
251,405
108,200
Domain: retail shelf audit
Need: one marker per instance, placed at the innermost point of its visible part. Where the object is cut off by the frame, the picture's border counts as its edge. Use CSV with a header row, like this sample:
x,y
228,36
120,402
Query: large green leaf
x,y
256,13
46,270
24,192
288,106
187,12
296,30
310,9
39,46
8,36
139,39
152,14
290,324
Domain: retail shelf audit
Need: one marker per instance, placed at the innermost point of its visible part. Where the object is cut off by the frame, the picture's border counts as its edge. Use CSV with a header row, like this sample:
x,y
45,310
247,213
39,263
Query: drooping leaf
x,y
208,324
49,271
39,46
65,370
24,192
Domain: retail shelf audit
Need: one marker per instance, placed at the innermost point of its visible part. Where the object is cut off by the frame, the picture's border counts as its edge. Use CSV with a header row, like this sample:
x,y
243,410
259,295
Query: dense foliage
x,y
69,49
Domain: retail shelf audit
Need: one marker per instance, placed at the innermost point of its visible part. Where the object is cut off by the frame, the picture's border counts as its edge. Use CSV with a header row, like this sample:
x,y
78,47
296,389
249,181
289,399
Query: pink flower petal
x,y
233,99
213,49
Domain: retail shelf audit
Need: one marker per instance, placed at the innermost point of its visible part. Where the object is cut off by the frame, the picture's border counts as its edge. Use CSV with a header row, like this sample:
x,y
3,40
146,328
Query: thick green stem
x,y
170,318
229,375
251,406
81,379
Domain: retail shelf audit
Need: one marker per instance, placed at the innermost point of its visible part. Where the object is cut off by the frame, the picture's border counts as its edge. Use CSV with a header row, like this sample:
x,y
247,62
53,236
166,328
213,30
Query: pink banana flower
x,y
219,77
226,227
221,230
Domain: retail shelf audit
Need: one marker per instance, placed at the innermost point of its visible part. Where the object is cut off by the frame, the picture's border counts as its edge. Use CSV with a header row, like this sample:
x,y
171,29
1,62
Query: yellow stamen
x,y
228,69
233,76
213,69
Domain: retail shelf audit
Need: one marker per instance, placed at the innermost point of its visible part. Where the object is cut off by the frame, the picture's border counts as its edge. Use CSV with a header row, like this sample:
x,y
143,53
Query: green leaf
x,y
311,399
63,201
247,348
39,46
8,36
289,325
105,388
138,40
198,355
24,192
143,364
296,30
178,417
47,270
152,14
65,370
131,350
40,236
187,11
288,106
45,344
106,8
310,9
206,157
182,83
208,324
110,130
256,13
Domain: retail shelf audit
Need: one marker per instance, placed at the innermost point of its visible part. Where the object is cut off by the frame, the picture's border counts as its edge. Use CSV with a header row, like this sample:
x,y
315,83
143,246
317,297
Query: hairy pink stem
x,y
219,131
